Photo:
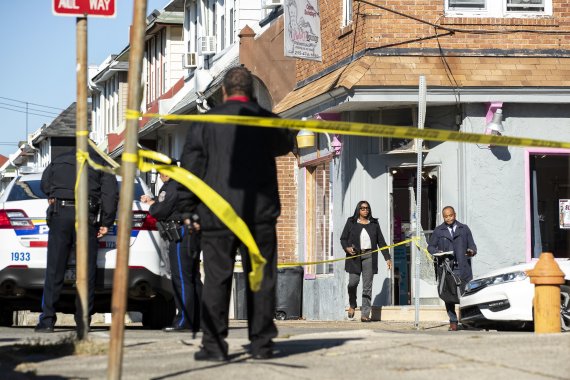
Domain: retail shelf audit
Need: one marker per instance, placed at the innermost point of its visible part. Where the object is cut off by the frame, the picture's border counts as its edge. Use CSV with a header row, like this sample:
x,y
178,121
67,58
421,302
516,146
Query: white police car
x,y
503,298
23,257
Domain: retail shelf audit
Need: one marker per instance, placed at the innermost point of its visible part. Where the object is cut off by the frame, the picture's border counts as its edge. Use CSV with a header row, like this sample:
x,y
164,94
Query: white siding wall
x,y
175,49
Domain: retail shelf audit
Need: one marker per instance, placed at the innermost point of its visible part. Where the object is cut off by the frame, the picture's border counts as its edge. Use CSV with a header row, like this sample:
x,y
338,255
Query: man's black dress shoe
x,y
176,329
265,355
205,355
43,328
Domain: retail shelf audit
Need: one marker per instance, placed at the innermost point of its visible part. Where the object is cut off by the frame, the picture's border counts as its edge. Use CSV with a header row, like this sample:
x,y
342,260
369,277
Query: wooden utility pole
x,y
129,167
81,209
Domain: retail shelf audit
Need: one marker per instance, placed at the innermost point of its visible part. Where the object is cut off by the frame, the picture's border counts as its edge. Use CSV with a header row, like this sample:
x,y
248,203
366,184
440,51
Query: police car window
x,y
26,190
138,189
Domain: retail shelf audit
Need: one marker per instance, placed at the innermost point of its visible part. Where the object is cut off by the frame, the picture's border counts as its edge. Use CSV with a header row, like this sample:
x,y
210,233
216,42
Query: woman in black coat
x,y
361,236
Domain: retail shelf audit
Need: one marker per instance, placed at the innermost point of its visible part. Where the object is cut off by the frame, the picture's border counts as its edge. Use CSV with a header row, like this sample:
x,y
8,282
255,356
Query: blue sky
x,y
37,61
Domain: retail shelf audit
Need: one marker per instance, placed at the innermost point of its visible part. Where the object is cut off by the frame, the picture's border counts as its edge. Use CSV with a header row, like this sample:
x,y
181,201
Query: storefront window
x,y
550,204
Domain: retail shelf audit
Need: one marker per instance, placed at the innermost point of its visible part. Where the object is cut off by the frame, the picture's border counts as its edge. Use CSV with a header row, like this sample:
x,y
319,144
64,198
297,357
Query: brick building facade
x,y
477,57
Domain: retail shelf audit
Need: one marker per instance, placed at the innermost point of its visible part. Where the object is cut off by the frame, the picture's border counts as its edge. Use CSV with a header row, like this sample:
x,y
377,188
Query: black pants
x,y
450,306
219,254
184,258
61,238
367,278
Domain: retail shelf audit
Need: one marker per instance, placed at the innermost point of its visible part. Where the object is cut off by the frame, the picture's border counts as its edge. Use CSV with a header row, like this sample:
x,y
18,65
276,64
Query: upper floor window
x,y
347,12
498,8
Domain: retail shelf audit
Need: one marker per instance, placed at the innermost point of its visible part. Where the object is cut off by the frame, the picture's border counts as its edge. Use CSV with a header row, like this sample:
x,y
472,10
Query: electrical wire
x,y
29,113
468,31
35,104
449,72
25,109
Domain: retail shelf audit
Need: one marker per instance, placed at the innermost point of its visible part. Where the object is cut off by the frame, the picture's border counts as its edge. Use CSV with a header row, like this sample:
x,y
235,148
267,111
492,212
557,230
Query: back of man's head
x,y
238,81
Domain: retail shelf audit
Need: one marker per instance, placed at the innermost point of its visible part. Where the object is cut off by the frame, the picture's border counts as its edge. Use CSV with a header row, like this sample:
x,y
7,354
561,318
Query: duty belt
x,y
66,202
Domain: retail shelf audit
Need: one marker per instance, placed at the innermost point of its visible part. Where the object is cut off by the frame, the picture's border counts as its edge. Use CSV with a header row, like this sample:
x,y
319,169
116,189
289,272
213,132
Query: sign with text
x,y
79,8
302,38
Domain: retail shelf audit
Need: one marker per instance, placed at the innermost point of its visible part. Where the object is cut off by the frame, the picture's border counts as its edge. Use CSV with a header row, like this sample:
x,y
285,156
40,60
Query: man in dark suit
x,y
238,162
454,236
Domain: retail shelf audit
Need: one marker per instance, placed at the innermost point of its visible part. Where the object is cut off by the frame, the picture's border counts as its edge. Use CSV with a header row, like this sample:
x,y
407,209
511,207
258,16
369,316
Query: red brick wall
x,y
287,222
374,28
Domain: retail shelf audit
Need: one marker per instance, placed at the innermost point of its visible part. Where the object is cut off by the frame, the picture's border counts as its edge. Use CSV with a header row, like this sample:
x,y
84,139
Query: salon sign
x,y
302,38
564,216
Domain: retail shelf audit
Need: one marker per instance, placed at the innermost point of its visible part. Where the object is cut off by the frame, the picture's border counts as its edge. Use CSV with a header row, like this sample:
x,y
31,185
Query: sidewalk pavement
x,y
304,350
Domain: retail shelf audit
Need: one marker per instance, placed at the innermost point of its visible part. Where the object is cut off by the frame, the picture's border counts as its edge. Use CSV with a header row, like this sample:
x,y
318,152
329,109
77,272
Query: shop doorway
x,y
403,195
550,204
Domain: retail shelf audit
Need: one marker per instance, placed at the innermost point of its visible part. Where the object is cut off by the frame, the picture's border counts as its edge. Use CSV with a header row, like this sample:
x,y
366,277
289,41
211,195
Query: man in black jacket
x,y
58,183
454,236
182,234
238,162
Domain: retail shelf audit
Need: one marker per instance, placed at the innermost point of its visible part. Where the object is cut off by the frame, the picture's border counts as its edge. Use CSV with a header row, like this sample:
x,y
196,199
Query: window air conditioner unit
x,y
207,45
189,60
525,5
267,4
401,146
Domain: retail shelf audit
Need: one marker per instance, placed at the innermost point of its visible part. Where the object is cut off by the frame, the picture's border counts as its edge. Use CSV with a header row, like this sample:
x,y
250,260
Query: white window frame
x,y
347,12
497,9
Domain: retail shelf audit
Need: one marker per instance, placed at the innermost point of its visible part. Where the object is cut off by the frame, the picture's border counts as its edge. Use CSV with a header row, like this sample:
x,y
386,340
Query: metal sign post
x,y
419,144
129,167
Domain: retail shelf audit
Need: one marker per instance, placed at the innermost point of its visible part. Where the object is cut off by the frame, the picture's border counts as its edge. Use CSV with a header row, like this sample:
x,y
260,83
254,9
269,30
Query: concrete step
x,y
406,313
28,318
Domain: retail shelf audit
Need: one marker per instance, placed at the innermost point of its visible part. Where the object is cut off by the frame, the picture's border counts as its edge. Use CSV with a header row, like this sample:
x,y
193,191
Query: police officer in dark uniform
x,y
183,235
58,183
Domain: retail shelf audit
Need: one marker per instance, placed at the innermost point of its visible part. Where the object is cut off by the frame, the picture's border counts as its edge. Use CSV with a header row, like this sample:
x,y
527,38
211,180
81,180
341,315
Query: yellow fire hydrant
x,y
547,278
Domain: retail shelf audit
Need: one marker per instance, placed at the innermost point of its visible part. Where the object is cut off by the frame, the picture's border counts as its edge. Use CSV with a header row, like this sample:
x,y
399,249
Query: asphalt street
x,y
304,350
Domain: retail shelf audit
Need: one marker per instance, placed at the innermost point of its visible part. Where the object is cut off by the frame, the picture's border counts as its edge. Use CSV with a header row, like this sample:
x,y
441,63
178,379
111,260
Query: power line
x,y
468,31
29,109
35,104
29,113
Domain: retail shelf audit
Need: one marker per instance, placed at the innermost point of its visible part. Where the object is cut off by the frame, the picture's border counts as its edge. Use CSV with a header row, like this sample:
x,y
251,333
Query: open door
x,y
403,193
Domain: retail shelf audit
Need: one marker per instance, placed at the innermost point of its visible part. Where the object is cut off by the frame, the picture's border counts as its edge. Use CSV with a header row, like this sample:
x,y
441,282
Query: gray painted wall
x,y
485,185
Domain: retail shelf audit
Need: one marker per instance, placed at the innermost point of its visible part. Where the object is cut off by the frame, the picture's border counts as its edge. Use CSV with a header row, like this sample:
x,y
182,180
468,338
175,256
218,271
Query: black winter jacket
x,y
165,208
462,240
58,181
351,236
238,162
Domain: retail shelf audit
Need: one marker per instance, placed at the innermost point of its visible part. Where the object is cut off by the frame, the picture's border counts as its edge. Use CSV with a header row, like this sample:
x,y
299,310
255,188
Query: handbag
x,y
448,283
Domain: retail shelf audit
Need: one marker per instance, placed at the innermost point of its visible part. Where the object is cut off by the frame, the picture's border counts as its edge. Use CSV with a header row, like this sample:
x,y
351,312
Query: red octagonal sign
x,y
99,8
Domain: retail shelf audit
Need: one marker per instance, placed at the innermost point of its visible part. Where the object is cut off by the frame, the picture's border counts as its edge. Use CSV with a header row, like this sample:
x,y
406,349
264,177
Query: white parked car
x,y
504,298
23,257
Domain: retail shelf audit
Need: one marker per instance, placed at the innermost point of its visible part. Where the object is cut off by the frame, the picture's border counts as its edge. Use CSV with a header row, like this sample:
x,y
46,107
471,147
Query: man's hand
x,y
470,253
389,264
51,201
350,250
102,232
146,199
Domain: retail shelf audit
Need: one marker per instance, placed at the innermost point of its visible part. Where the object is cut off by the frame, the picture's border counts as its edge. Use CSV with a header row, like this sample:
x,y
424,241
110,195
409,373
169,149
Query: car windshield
x,y
26,190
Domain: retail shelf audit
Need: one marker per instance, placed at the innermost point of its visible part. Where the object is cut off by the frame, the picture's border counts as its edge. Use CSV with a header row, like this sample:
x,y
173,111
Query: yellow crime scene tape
x,y
358,129
218,205
414,239
223,210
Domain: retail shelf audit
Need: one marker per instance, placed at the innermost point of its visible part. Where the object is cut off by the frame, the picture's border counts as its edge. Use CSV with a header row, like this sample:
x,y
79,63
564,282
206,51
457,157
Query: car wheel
x,y
159,314
6,318
565,307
